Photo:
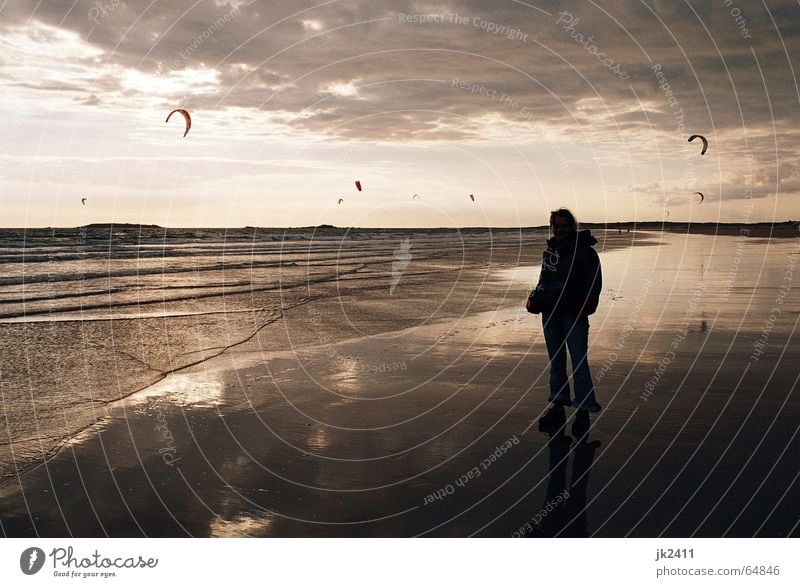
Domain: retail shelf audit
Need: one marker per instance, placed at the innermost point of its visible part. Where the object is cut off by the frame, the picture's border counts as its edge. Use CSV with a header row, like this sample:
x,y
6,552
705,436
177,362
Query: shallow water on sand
x,y
91,315
698,435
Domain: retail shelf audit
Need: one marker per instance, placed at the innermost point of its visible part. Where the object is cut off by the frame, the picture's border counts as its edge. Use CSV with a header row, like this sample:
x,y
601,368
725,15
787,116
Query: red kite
x,y
186,117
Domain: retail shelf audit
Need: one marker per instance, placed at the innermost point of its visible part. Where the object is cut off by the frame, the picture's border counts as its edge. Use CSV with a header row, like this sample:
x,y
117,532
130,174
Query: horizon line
x,y
610,224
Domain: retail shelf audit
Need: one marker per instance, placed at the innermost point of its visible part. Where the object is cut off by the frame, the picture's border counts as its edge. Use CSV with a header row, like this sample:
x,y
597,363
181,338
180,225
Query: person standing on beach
x,y
566,295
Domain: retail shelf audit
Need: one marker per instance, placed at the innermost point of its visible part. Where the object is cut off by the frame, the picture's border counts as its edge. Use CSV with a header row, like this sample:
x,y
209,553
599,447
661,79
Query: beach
x,y
388,383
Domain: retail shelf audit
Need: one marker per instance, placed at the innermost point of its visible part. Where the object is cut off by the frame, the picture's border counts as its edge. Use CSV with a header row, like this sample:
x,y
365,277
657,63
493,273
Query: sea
x,y
89,315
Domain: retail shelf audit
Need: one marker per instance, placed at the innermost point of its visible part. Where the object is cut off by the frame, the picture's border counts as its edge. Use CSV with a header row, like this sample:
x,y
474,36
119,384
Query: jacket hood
x,y
584,238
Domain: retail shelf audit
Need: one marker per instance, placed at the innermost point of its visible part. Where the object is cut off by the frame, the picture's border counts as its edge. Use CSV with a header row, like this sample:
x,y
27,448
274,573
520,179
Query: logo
x,y
31,560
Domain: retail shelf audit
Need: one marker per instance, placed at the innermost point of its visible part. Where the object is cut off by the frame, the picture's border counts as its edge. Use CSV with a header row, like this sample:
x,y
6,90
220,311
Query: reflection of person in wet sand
x,y
563,513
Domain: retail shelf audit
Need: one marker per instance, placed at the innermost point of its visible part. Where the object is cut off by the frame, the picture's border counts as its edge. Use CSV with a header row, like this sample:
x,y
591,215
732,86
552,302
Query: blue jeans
x,y
563,332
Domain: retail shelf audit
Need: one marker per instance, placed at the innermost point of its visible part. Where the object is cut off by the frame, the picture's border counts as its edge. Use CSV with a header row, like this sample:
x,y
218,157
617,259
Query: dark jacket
x,y
571,276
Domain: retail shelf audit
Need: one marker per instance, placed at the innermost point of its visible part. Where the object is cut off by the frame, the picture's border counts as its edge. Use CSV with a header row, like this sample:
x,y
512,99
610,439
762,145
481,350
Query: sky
x,y
526,106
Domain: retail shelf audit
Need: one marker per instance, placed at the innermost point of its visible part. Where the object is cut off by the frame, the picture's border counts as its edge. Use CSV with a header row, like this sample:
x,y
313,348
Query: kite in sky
x,y
186,117
702,138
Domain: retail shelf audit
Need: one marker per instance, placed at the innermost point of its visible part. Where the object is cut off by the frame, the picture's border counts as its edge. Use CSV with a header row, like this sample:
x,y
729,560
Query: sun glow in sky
x,y
528,107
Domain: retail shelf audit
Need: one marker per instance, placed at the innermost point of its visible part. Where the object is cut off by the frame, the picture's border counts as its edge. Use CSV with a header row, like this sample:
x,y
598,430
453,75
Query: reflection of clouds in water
x,y
233,464
348,378
258,524
318,438
197,389
323,362
232,518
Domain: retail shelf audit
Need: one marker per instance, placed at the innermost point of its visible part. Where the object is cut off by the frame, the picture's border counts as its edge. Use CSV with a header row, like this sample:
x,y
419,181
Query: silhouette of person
x,y
567,293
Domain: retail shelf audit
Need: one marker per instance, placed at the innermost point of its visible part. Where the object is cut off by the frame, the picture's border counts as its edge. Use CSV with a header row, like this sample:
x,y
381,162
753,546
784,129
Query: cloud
x,y
405,72
288,57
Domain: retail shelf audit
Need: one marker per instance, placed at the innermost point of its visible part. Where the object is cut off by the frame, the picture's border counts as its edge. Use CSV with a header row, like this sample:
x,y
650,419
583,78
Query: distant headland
x,y
126,230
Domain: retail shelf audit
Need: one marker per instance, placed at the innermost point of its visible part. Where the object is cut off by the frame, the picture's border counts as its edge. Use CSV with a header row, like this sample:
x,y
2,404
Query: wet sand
x,y
421,423
86,322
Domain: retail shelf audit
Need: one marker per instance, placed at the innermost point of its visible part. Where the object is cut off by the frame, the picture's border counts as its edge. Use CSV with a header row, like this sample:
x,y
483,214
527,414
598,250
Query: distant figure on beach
x,y
567,293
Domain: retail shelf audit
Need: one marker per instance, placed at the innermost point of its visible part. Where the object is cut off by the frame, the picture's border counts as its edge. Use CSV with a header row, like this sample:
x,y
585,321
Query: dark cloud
x,y
91,101
402,56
